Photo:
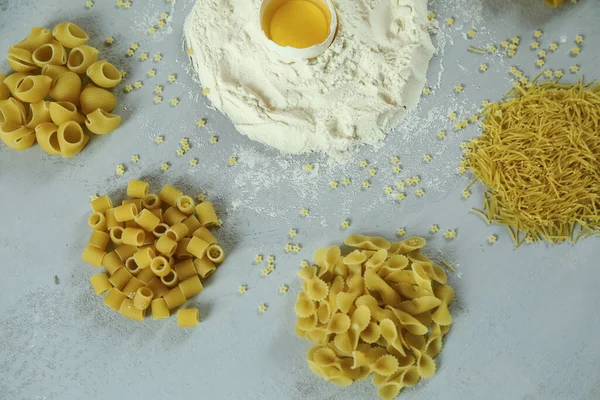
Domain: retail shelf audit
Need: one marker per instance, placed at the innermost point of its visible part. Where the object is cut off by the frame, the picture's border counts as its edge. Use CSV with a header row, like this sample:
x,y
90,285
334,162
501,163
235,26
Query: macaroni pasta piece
x,y
99,239
100,284
101,204
114,299
169,195
187,318
137,189
128,310
206,214
160,310
142,298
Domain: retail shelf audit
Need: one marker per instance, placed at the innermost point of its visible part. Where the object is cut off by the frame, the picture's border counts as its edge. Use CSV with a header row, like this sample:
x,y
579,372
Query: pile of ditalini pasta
x,y
382,309
160,250
58,86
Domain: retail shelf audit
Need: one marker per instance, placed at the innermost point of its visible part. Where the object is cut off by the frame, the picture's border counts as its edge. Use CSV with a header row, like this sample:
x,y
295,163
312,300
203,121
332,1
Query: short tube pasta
x,y
112,262
144,257
39,113
97,221
215,254
191,286
206,214
197,247
104,74
137,189
185,204
116,235
204,267
177,231
114,299
181,253
157,287
125,251
137,202
171,279
168,194
160,266
66,87
33,88
100,283
188,318
81,57
101,204
151,201
132,266
70,35
142,298
128,310
111,221
126,212
132,287
172,216
145,275
160,310
50,53
71,138
101,122
205,235
174,298
99,239
166,246
160,230
192,224
93,256
133,236
120,278
185,269
147,220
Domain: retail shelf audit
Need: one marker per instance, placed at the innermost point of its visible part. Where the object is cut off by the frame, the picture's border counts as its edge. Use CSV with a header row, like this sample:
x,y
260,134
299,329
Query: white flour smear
x,y
356,92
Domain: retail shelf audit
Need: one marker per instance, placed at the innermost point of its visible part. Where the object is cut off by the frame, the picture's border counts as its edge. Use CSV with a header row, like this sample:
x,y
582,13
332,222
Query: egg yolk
x,y
299,24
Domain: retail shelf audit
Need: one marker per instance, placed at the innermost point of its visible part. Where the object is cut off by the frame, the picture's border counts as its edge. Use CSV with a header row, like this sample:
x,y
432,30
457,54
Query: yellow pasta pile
x,y
45,100
539,156
380,310
154,250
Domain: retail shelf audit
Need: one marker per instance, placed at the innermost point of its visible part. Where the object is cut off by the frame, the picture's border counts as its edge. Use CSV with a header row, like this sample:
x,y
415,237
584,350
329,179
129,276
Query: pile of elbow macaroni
x,y
48,80
154,250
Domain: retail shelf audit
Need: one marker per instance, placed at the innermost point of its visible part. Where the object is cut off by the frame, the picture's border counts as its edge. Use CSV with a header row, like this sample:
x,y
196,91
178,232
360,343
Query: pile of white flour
x,y
355,92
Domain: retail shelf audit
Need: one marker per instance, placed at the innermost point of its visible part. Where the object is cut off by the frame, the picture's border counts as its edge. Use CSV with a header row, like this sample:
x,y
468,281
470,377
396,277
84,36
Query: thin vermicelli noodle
x,y
539,157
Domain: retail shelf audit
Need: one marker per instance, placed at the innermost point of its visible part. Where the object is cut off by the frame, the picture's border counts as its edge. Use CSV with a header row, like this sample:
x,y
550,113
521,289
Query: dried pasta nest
x,y
155,249
44,99
539,157
381,310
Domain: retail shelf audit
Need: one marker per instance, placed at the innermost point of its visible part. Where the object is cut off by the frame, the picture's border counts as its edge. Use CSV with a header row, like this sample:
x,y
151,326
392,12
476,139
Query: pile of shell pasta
x,y
382,309
45,99
160,250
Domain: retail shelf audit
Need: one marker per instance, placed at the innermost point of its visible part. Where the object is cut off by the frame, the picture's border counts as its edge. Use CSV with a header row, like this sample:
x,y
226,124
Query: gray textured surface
x,y
526,320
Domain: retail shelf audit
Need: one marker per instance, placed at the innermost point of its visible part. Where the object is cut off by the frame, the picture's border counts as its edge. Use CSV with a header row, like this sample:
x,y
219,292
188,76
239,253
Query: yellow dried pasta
x,y
381,310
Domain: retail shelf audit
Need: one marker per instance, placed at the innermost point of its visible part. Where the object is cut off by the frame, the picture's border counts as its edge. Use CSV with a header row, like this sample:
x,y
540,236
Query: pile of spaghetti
x,y
539,157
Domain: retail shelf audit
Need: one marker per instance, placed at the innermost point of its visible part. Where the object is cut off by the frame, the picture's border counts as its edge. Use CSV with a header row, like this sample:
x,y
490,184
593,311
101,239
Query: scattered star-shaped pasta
x,y
400,197
400,185
450,21
120,169
271,259
135,158
364,164
538,33
373,171
201,122
345,224
94,197
434,229
511,53
206,91
491,48
553,47
172,78
485,103
109,41
138,84
161,24
304,264
397,169
534,45
540,63
430,15
288,248
366,185
232,161
214,140
186,147
219,223
442,134
466,194
292,233
388,190
450,234
483,67
201,197
575,51
516,40
158,57
242,289
542,54
164,15
165,166
258,259
548,73
401,232
262,308
180,152
193,162
426,91
296,248
492,239
427,157
574,69
158,89
505,44
452,116
134,46
346,181
158,99
152,30
333,184
395,159
152,73
283,289
420,192
189,52
159,139
127,4
471,34
129,53
174,101
459,88
308,167
558,73
579,39
119,3
128,88
184,141
305,212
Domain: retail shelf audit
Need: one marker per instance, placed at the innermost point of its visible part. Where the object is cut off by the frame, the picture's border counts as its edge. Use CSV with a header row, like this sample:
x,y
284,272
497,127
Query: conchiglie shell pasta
x,y
50,53
13,80
46,134
104,74
100,122
70,35
11,110
20,60
53,71
93,97
63,111
4,92
66,87
33,88
38,113
36,38
81,57
71,138
17,137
